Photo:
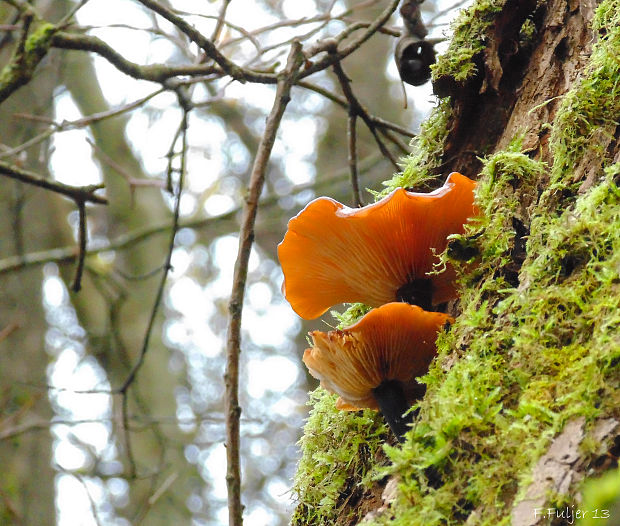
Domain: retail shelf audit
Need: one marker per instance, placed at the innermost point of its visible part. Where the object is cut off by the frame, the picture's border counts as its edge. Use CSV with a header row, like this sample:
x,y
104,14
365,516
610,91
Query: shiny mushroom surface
x,y
376,254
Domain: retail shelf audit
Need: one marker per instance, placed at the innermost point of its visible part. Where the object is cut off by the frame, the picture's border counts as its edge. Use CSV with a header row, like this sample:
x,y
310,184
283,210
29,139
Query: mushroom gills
x,y
393,406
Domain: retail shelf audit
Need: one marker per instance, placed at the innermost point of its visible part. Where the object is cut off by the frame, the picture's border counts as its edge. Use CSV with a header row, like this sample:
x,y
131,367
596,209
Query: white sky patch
x,y
54,292
184,288
250,15
225,255
107,12
304,131
203,171
214,467
296,9
218,204
260,96
273,328
279,490
117,87
274,373
71,160
260,516
285,407
181,260
73,502
298,170
260,296
69,456
70,373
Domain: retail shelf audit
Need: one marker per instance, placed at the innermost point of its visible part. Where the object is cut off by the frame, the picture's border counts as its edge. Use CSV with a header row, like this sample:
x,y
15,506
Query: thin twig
x,y
445,11
356,108
77,193
166,268
331,58
131,239
127,439
153,72
7,330
352,140
131,181
138,422
82,234
341,101
194,35
221,20
163,488
402,145
66,20
235,306
160,292
91,499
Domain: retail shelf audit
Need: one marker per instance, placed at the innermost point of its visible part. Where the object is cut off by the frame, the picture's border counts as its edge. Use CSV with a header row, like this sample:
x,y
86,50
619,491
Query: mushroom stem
x,y
417,292
393,405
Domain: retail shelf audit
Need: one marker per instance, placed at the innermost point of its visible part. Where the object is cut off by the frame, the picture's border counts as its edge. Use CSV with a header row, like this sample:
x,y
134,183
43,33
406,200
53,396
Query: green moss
x,y
591,110
536,344
38,43
530,358
353,313
24,60
470,31
427,149
338,451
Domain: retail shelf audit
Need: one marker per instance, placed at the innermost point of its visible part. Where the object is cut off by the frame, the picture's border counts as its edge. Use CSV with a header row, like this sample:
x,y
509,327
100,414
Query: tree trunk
x,y
522,400
25,226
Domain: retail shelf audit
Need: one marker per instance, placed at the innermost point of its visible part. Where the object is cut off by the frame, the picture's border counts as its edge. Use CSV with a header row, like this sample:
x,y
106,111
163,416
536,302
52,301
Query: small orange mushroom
x,y
376,254
375,362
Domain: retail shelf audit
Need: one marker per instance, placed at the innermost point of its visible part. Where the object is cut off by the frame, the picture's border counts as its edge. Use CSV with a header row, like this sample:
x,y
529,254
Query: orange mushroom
x,y
376,254
375,362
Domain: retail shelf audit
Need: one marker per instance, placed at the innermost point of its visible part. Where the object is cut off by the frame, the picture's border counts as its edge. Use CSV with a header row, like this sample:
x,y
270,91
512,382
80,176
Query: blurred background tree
x,y
112,397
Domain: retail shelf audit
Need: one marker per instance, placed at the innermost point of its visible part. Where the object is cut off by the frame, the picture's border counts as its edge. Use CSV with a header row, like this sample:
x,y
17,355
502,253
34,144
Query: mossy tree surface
x,y
535,349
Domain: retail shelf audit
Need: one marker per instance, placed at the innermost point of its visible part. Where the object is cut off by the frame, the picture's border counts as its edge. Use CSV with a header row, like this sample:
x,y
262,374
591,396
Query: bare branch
x,y
83,194
352,140
379,122
131,239
331,58
123,390
221,20
7,330
235,306
194,35
82,233
356,108
70,125
25,58
166,267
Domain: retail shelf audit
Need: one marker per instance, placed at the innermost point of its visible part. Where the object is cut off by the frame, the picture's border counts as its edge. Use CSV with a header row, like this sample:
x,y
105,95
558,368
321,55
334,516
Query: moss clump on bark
x,y
470,32
522,360
427,149
25,59
338,451
588,116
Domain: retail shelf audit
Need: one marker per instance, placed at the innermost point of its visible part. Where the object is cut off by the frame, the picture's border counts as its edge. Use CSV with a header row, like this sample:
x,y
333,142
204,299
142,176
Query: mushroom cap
x,y
334,254
393,342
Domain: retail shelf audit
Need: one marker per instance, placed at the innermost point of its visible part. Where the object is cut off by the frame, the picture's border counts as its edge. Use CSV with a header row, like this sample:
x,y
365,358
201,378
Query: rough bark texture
x,y
519,84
